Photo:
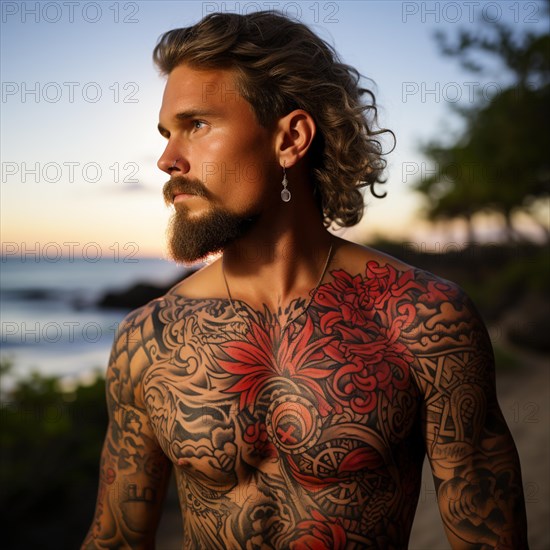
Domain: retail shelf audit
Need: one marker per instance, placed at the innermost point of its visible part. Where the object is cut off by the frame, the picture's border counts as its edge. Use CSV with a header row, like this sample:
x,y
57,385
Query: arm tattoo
x,y
134,471
473,457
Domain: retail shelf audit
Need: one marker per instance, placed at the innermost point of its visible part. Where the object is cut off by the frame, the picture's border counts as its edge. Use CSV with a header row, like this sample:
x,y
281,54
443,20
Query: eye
x,y
198,124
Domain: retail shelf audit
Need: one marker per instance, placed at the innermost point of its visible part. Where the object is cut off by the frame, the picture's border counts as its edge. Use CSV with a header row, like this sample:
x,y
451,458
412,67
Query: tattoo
x,y
473,457
314,436
134,470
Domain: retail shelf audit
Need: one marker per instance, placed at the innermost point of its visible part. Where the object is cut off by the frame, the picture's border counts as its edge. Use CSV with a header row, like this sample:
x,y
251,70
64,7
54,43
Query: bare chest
x,y
226,400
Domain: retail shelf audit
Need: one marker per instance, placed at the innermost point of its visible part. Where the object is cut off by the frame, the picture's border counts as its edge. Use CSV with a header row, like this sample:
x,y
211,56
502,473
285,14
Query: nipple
x,y
184,462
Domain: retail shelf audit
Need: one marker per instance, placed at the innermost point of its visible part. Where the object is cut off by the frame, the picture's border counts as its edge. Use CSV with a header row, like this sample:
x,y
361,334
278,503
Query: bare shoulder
x,y
359,259
373,264
433,313
353,257
140,325
130,357
203,283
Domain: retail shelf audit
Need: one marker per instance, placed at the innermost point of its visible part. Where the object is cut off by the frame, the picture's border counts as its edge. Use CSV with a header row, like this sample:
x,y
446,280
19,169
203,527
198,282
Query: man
x,y
295,383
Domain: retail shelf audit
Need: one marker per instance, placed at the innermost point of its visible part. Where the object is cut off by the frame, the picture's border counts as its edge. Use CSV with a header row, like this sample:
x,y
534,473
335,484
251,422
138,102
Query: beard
x,y
191,240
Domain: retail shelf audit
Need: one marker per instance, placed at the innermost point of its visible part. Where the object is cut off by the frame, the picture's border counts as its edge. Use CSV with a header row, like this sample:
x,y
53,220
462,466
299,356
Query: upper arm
x,y
134,471
472,455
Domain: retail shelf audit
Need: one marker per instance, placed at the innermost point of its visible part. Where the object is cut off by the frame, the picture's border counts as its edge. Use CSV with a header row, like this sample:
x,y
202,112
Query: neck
x,y
280,260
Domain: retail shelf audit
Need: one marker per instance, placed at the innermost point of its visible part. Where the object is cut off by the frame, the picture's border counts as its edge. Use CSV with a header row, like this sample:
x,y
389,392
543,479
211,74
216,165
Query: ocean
x,y
50,322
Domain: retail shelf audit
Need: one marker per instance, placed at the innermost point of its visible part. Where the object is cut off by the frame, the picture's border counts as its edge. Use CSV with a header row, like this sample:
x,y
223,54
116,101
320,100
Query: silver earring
x,y
285,193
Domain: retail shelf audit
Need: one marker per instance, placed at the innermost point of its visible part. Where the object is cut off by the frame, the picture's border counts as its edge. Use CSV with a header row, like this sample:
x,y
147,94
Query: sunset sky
x,y
80,102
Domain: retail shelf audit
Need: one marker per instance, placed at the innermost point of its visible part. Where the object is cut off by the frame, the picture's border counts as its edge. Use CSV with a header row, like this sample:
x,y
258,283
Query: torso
x,y
306,438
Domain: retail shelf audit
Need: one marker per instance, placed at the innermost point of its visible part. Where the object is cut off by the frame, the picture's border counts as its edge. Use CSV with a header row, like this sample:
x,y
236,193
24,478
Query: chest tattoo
x,y
279,435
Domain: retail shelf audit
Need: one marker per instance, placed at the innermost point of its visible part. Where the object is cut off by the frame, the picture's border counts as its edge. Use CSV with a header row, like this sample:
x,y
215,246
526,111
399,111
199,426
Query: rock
x,y
137,295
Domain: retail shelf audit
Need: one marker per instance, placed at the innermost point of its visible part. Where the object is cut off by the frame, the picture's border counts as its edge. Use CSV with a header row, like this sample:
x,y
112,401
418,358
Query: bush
x,y
51,442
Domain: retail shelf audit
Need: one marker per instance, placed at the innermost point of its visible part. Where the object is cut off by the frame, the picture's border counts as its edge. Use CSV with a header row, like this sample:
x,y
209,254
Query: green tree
x,y
500,163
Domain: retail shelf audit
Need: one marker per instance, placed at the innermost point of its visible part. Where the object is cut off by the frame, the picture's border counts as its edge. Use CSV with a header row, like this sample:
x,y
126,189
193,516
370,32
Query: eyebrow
x,y
187,115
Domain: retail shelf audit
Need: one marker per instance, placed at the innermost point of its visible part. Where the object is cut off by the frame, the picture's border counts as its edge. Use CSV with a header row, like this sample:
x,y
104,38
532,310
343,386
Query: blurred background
x,y
464,86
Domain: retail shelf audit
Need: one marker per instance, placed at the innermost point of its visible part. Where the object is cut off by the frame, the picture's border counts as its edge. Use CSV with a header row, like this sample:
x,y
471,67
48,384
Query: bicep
x,y
472,455
476,470
133,471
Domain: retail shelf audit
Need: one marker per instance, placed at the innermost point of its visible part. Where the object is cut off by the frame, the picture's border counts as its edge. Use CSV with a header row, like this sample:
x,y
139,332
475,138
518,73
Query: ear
x,y
294,136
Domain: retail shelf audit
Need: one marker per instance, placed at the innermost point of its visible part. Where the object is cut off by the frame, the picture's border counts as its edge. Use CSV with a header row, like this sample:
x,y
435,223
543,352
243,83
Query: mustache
x,y
180,184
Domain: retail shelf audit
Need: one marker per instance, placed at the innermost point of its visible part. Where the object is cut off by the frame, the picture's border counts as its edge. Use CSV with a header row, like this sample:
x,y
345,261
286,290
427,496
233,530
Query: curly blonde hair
x,y
281,65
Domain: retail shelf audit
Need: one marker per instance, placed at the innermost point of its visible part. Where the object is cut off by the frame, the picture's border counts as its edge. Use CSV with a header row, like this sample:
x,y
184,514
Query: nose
x,y
171,160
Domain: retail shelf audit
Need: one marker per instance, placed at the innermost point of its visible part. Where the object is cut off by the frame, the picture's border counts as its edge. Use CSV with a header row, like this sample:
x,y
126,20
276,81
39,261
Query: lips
x,y
182,196
184,188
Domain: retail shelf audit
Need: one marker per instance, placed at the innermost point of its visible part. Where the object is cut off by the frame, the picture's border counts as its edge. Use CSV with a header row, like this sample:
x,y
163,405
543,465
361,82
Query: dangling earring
x,y
285,193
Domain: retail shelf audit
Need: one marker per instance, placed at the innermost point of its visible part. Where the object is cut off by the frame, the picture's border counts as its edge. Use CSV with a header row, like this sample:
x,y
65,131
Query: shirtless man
x,y
294,384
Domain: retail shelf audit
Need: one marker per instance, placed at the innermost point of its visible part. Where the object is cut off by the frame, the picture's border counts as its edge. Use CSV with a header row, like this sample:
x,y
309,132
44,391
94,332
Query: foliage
x,y
51,441
501,162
